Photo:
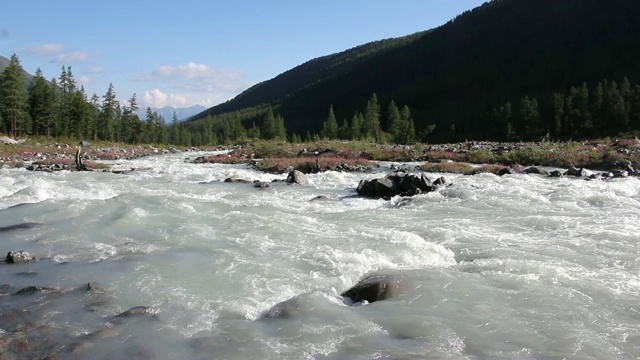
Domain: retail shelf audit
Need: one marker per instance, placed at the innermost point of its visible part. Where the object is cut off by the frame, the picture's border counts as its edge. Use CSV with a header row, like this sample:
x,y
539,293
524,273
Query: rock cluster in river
x,y
395,184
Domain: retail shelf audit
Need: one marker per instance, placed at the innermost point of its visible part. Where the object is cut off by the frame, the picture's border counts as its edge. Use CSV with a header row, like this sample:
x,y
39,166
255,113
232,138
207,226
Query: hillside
x,y
454,76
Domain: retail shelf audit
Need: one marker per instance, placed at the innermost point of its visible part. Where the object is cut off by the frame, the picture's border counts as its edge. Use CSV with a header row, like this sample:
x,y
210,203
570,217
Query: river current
x,y
511,267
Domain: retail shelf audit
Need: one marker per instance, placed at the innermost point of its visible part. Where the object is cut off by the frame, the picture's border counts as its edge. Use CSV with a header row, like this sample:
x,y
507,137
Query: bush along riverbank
x,y
469,157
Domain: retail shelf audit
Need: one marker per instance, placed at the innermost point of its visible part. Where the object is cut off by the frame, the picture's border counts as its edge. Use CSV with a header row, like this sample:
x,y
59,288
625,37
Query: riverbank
x,y
274,157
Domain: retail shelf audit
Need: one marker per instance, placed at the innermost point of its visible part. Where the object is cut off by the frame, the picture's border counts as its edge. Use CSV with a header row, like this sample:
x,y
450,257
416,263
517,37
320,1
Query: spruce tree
x,y
394,122
14,99
371,124
41,104
108,115
330,126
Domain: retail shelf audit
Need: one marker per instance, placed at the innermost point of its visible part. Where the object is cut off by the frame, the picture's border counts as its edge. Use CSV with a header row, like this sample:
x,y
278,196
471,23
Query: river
x,y
512,267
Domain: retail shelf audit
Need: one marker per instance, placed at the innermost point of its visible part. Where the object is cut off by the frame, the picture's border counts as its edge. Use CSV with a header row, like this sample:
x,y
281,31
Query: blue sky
x,y
183,53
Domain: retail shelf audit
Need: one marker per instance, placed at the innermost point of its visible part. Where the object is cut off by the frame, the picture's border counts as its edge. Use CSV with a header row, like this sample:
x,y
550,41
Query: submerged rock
x,y
29,290
282,310
237,180
26,225
320,198
138,311
261,185
18,257
374,288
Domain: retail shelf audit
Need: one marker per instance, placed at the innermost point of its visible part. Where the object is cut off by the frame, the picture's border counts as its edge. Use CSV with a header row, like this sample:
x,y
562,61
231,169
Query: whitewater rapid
x,y
511,267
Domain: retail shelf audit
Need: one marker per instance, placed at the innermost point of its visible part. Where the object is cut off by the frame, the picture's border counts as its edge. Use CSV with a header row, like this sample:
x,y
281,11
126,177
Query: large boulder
x,y
374,288
18,257
297,177
397,184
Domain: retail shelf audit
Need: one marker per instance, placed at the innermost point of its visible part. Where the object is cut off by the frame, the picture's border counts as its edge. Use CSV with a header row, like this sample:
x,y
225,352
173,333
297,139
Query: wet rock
x,y
504,171
320,198
138,312
18,257
237,181
397,184
282,310
297,177
94,287
578,172
619,173
374,288
26,225
535,170
555,173
29,343
261,185
29,290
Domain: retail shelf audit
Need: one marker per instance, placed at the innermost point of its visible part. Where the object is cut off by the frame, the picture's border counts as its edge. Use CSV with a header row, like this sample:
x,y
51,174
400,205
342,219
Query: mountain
x,y
454,76
167,112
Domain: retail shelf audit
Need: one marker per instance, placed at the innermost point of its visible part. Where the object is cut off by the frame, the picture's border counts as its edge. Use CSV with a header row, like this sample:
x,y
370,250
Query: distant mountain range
x,y
167,112
456,75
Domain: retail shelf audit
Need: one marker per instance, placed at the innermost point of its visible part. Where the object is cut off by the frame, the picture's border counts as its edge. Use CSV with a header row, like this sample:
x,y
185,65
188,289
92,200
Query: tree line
x,y
607,108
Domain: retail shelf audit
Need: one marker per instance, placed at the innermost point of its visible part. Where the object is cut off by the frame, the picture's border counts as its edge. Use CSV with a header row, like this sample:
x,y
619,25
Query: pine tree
x,y
344,131
174,130
356,126
108,115
95,116
14,99
394,122
558,116
371,124
41,104
80,112
268,130
408,131
330,126
530,117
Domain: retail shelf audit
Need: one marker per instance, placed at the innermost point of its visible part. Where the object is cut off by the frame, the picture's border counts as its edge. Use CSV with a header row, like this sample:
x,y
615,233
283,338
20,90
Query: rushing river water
x,y
512,267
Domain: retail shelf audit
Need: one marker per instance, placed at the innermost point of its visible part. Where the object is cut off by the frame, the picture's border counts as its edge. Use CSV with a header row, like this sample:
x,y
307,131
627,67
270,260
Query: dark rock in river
x,y
18,257
374,288
238,181
578,172
320,198
261,185
27,225
504,171
29,290
555,173
397,184
535,170
297,177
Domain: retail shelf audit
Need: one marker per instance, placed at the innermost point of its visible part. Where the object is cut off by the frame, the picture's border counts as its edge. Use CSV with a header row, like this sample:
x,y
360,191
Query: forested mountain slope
x,y
457,75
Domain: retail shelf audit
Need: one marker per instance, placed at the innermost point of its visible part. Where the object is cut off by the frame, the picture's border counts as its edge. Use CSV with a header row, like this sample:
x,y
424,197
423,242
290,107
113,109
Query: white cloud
x,y
74,57
93,70
198,77
157,98
45,49
193,84
83,81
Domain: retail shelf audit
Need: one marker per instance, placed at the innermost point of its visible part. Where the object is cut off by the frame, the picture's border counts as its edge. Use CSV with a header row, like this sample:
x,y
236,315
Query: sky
x,y
204,52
